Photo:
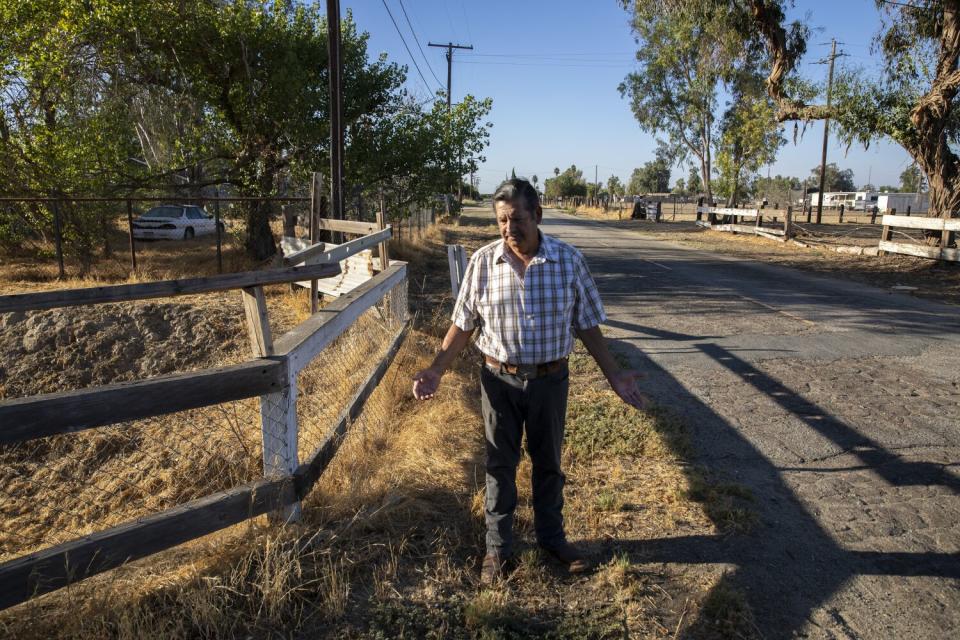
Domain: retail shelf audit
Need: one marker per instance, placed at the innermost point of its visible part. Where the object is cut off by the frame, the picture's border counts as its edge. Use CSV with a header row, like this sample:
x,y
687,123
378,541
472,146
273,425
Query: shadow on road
x,y
788,565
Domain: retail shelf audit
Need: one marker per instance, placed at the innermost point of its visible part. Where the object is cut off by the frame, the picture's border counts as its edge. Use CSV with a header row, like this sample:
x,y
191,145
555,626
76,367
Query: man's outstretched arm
x,y
622,381
426,382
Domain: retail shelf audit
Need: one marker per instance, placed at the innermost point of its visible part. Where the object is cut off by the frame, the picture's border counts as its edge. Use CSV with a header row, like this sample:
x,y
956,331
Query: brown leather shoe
x,y
569,555
492,568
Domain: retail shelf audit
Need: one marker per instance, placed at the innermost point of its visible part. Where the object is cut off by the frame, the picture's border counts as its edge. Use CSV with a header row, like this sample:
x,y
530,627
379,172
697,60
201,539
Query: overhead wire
x,y
405,46
417,40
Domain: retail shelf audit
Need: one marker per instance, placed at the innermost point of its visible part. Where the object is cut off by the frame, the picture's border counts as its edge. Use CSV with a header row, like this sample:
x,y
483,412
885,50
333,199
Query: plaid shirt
x,y
528,318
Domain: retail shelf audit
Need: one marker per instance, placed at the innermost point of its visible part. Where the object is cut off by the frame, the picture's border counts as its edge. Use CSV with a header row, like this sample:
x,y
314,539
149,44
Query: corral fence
x,y
945,226
732,219
675,207
350,344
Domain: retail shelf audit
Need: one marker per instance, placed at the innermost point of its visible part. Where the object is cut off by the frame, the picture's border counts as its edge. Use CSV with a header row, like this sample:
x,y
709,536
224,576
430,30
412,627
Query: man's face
x,y
518,227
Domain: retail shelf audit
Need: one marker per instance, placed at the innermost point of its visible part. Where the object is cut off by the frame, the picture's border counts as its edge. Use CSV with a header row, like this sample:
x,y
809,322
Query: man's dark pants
x,y
511,404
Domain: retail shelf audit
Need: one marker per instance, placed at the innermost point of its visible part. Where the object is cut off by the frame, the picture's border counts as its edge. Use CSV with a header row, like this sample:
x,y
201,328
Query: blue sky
x,y
552,69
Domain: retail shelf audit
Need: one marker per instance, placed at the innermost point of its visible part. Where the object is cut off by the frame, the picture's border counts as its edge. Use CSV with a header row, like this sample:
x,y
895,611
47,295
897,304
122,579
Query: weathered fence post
x,y
315,190
216,218
873,214
58,238
788,224
133,248
278,411
908,211
699,206
886,235
809,208
382,224
841,214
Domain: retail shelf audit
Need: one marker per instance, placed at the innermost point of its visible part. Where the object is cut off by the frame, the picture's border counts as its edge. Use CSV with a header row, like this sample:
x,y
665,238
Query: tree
x,y
652,177
912,101
534,180
912,180
778,189
835,179
566,184
614,186
211,92
694,184
682,57
680,187
749,136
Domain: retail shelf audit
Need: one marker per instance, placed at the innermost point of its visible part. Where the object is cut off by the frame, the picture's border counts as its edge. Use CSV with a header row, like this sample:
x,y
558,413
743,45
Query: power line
x,y
417,40
546,64
564,54
412,59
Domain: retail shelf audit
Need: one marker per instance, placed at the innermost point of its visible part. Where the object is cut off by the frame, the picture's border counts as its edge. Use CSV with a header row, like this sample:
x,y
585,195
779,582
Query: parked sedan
x,y
174,222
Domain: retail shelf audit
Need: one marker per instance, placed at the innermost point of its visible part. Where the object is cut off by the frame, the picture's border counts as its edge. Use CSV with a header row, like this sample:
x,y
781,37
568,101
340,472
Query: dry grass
x,y
392,534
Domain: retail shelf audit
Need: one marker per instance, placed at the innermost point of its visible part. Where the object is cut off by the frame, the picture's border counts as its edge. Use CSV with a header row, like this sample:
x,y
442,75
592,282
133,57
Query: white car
x,y
174,222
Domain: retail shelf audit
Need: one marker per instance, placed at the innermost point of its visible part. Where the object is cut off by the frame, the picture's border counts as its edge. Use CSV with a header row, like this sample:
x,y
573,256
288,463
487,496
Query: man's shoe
x,y
492,568
570,556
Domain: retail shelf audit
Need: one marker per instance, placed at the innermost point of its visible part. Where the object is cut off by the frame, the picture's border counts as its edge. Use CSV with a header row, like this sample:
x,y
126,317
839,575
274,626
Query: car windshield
x,y
163,212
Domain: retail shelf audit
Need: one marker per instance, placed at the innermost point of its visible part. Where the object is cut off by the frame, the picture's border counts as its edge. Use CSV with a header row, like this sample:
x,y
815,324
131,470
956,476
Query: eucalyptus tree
x,y
911,100
750,136
682,57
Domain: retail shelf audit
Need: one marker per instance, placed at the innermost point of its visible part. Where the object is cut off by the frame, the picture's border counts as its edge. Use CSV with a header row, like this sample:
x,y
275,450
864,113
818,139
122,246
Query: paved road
x,y
836,403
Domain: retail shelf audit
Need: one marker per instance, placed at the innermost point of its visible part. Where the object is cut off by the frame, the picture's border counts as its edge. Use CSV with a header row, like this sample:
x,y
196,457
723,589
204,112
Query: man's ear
x,y
539,214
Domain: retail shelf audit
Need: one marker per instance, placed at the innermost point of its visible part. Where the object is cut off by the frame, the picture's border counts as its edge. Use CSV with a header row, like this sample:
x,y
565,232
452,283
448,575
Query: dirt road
x,y
836,404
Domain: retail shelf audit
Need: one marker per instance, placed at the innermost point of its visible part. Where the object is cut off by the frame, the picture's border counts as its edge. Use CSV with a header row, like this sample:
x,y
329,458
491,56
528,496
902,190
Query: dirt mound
x,y
62,349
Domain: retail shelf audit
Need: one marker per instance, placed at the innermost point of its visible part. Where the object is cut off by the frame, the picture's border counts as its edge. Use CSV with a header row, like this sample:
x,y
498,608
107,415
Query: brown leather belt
x,y
526,371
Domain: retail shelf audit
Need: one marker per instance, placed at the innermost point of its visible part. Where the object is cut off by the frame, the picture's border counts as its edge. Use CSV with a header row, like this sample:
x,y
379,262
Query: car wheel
x,y
188,233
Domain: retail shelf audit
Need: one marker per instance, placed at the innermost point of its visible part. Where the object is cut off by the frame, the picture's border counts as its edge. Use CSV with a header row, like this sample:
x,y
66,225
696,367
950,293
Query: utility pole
x,y
450,47
826,130
335,75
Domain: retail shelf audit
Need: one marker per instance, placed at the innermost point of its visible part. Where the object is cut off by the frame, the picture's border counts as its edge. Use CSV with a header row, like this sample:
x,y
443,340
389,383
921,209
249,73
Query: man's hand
x,y
425,383
624,383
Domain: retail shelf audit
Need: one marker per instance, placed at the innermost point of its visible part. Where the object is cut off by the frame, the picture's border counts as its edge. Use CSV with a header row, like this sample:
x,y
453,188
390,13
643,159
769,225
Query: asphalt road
x,y
837,404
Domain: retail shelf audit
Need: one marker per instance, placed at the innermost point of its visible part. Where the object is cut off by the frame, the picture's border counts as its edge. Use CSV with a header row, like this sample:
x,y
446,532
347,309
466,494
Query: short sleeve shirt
x,y
528,316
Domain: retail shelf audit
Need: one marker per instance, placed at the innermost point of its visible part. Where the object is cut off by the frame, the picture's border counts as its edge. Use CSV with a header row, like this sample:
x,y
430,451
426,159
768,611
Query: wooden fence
x,y
270,375
737,225
945,226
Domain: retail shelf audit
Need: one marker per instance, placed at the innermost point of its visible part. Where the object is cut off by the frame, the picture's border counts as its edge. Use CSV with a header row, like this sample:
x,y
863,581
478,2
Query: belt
x,y
526,371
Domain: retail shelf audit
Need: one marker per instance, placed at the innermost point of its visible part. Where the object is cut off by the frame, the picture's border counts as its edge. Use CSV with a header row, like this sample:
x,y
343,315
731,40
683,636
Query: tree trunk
x,y
260,244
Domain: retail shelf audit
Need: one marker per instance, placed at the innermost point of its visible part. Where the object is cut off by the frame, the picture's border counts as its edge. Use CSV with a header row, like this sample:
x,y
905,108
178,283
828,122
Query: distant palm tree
x,y
534,180
556,171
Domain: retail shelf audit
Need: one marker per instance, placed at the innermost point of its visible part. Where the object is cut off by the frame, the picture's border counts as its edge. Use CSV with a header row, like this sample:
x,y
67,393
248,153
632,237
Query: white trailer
x,y
834,199
918,202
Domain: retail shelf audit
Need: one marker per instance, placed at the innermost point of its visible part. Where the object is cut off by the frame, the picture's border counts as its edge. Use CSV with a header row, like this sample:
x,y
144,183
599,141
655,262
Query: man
x,y
528,294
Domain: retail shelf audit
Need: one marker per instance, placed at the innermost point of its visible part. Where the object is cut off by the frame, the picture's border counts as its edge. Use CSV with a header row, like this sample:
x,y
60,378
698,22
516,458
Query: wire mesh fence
x,y
61,488
329,383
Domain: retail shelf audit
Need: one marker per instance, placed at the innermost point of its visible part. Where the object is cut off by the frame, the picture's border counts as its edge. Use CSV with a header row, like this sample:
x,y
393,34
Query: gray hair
x,y
517,191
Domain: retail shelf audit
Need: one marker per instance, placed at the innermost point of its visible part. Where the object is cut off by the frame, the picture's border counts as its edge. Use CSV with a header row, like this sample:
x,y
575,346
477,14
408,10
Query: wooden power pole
x,y
826,130
335,75
450,47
